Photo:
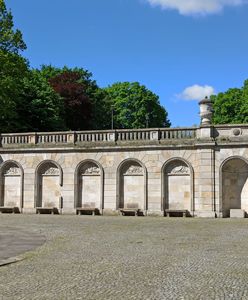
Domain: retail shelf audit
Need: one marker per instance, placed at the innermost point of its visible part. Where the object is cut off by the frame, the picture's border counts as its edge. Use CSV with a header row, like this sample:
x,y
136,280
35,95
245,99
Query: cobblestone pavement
x,y
88,257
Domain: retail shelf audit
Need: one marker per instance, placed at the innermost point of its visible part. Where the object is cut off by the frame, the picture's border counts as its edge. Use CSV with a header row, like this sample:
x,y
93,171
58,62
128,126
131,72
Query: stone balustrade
x,y
50,137
178,133
106,136
122,135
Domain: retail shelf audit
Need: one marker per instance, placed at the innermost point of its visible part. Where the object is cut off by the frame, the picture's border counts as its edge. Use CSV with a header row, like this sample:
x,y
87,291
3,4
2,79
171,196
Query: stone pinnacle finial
x,y
206,111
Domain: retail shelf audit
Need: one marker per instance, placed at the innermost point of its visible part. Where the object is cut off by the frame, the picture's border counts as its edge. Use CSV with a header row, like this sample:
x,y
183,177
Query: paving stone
x,y
87,257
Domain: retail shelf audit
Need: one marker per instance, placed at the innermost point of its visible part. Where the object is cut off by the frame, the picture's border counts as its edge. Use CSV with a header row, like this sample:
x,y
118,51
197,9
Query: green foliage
x,y
12,70
101,109
39,107
10,40
232,106
134,105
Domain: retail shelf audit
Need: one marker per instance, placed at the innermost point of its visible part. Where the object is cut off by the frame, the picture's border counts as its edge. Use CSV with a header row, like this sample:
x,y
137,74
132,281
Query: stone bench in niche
x,y
47,210
131,209
9,209
88,208
176,213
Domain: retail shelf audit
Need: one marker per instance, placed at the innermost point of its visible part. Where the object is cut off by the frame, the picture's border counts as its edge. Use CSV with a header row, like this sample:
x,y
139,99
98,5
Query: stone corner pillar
x,y
205,132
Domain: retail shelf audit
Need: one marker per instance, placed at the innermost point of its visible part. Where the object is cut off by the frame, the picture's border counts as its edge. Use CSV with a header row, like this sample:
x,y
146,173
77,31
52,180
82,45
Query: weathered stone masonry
x,y
203,170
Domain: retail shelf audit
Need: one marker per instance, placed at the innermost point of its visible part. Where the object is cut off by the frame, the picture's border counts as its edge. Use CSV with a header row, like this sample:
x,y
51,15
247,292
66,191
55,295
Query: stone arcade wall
x,y
203,170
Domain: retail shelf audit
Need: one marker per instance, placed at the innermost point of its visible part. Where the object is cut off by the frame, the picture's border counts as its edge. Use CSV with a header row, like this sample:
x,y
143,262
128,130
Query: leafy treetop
x,y
10,39
135,106
76,102
231,106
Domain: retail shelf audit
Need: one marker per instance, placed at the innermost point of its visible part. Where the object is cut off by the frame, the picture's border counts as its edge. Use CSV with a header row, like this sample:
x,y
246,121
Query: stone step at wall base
x,y
68,211
237,213
110,212
155,213
29,210
205,214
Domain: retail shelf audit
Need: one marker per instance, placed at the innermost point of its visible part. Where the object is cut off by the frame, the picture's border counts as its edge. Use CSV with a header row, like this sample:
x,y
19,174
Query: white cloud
x,y
196,92
196,7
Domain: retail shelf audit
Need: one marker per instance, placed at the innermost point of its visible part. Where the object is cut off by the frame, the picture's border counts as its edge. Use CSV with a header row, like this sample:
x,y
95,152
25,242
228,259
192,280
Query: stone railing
x,y
121,136
178,133
101,136
15,138
50,137
134,135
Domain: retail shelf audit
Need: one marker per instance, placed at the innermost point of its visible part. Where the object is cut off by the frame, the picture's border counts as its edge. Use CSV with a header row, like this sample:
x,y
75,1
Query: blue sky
x,y
180,49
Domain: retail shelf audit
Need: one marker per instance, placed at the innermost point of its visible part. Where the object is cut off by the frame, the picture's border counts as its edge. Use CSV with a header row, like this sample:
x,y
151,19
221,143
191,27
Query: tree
x,y
94,111
39,107
231,106
77,105
13,68
135,106
10,40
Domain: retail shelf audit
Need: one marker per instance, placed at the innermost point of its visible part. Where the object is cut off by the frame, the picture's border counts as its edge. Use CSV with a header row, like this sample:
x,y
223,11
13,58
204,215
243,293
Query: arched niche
x,y
177,185
131,185
11,184
233,185
89,185
48,182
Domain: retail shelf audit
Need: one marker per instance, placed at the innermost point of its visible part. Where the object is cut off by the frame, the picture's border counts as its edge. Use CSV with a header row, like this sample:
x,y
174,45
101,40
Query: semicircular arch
x,y
120,184
88,163
180,163
233,183
41,168
8,164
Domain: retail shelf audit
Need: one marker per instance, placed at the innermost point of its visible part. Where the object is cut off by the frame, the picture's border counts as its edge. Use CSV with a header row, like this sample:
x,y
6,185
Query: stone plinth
x,y
205,214
237,213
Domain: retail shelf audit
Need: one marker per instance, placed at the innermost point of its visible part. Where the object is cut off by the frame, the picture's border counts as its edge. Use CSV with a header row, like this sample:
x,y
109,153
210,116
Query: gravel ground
x,y
87,257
